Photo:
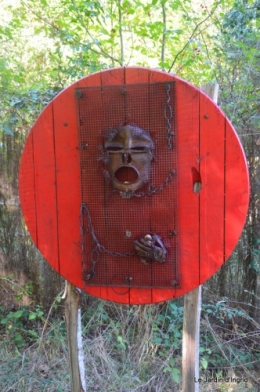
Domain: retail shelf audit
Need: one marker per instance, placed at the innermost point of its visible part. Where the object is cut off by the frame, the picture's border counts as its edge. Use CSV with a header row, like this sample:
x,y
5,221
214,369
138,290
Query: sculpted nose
x,y
126,158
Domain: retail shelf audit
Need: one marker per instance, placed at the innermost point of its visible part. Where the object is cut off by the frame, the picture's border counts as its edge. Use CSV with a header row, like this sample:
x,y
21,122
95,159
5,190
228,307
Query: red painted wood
x,y
210,222
27,178
45,195
236,190
212,207
94,80
67,185
188,133
159,295
138,75
117,294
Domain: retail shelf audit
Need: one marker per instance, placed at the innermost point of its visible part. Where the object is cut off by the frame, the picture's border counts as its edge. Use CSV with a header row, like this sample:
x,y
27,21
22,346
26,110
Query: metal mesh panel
x,y
116,221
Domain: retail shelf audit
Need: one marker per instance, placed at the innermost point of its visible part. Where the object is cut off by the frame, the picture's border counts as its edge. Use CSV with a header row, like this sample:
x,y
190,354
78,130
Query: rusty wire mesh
x,y
116,221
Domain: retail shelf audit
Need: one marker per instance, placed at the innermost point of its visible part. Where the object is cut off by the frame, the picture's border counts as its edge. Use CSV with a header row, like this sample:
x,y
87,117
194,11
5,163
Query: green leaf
x,y
7,130
32,316
172,361
157,340
167,369
176,374
204,363
18,314
18,339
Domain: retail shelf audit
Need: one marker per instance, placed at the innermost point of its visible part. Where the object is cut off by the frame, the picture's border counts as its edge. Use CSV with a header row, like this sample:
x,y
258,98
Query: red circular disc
x,y
197,202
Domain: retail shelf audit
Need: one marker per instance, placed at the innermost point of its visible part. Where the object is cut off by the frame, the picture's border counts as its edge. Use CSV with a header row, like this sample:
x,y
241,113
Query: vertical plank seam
x,y
34,187
125,116
80,182
199,199
225,188
150,201
105,288
176,207
56,187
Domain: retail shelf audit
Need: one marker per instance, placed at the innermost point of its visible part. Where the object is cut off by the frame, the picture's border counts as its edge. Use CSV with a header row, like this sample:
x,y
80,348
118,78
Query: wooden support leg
x,y
190,342
72,316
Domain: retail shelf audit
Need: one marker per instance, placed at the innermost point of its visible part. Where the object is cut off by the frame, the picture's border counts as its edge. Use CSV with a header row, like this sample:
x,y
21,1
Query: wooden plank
x,y
92,80
187,135
190,341
117,294
138,75
68,185
236,189
27,188
212,202
71,318
45,187
188,161
159,295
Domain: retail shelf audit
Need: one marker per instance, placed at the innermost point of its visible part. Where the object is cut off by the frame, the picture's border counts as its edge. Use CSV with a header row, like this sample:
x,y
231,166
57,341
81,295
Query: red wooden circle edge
x,y
48,132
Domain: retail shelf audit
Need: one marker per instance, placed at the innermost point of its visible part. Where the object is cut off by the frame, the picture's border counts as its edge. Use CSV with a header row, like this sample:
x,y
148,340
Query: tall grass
x,y
131,349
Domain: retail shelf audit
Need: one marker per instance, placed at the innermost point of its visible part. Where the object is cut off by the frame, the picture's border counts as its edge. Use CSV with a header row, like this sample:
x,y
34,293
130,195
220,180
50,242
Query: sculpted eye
x,y
113,149
139,149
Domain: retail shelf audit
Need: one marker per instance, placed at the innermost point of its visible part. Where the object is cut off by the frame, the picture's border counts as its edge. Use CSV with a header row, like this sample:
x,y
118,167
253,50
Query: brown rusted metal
x,y
129,152
151,248
129,185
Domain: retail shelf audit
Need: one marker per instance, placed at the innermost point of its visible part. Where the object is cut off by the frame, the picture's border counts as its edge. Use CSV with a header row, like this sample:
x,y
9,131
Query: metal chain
x,y
163,185
168,117
151,189
98,248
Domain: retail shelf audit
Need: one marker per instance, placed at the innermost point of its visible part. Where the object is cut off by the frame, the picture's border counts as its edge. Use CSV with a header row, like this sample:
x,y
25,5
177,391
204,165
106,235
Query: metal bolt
x,y
128,233
65,124
128,279
123,91
172,233
206,116
174,282
79,94
83,146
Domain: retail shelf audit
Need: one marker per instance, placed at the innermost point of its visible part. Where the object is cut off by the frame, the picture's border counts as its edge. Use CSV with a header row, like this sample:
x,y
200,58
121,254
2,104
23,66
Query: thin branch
x,y
164,36
112,30
102,52
121,33
47,319
192,35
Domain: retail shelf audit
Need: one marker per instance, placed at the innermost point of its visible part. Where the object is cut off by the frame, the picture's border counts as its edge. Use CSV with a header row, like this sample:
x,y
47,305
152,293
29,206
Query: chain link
x,y
168,115
98,248
151,189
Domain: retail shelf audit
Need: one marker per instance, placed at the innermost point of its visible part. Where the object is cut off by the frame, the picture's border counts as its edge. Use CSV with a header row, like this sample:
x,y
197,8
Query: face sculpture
x,y
130,151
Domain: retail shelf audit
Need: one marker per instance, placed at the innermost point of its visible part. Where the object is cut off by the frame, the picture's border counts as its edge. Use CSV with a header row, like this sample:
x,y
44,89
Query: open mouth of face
x,y
126,175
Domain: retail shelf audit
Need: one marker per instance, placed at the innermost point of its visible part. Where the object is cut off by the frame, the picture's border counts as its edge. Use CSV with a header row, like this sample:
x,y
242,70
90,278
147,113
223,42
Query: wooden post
x,y
73,325
191,316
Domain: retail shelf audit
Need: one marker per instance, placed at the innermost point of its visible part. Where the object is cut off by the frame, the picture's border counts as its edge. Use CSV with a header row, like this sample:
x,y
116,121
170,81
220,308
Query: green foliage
x,y
175,372
167,328
222,311
81,37
18,326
